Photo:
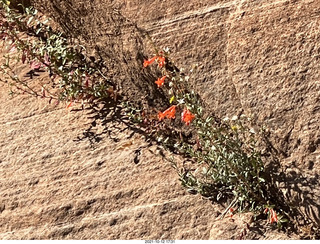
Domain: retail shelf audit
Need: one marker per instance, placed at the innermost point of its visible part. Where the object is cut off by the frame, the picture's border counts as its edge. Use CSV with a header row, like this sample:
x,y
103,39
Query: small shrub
x,y
225,162
32,40
226,155
223,154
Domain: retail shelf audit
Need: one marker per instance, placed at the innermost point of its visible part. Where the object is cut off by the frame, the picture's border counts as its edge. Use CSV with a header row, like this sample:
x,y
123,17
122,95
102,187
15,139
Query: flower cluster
x,y
170,113
160,81
160,59
161,62
186,116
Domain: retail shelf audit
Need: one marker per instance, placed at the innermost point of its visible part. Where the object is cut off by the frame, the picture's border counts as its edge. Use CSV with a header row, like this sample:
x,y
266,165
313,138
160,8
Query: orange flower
x,y
160,81
161,61
187,116
170,113
273,216
161,116
149,61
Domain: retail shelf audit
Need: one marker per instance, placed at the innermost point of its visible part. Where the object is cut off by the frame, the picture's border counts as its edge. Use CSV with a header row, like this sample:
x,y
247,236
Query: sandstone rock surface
x,y
256,57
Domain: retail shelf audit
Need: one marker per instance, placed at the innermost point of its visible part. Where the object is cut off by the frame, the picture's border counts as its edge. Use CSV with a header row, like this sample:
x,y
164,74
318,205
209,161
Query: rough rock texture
x,y
259,57
57,181
55,185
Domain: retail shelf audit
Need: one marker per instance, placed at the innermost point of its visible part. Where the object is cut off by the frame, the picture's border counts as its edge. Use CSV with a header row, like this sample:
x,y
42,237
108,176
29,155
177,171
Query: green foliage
x,y
72,77
225,156
225,161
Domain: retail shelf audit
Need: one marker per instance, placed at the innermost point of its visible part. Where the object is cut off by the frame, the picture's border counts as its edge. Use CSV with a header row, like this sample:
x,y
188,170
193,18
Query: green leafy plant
x,y
223,160
222,155
32,40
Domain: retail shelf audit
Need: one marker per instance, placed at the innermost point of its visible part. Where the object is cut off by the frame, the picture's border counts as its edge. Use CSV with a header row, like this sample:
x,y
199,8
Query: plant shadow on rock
x,y
291,192
110,117
294,193
119,51
120,54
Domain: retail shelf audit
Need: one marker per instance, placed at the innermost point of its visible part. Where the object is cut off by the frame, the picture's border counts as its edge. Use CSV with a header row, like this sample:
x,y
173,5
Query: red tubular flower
x,y
273,216
149,61
161,116
170,113
160,81
187,116
161,61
